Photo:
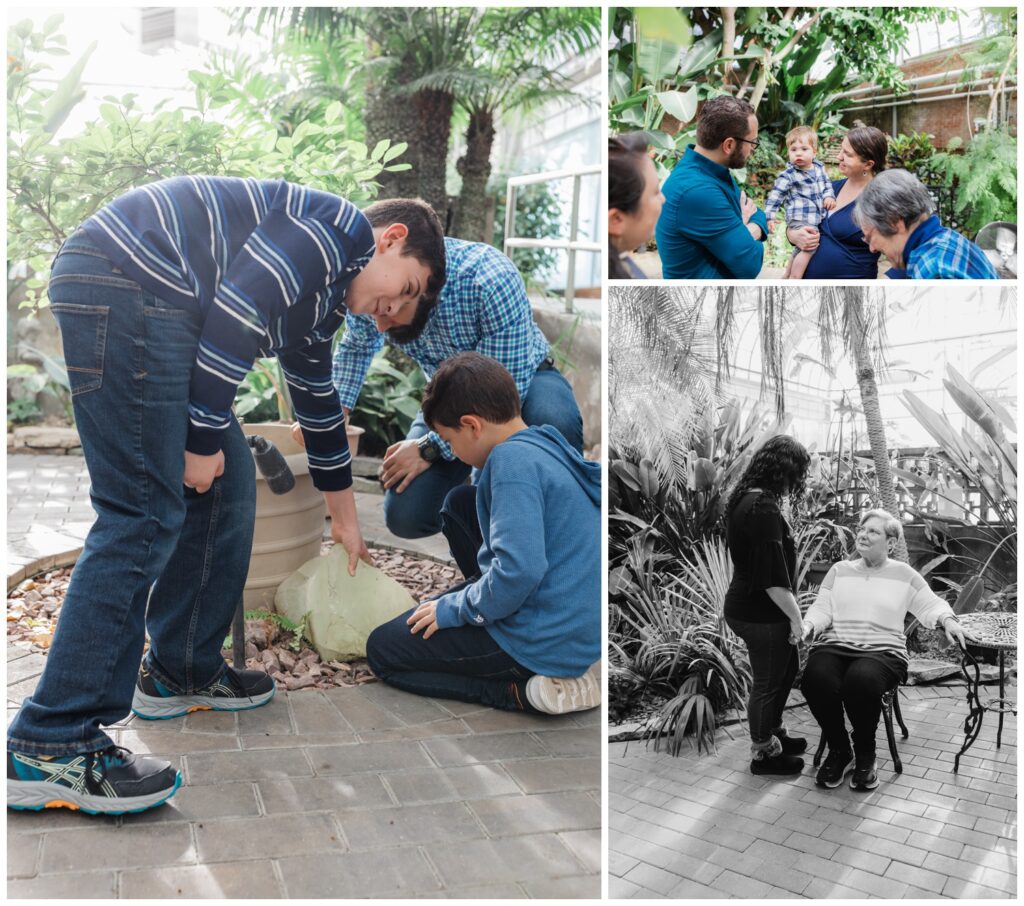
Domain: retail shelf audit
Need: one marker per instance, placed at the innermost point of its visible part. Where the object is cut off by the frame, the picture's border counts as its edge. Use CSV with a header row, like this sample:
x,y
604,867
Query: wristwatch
x,y
429,450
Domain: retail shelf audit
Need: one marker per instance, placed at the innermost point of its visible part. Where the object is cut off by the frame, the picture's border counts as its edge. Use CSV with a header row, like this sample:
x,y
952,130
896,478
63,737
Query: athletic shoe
x,y
780,765
834,769
865,775
792,745
236,690
561,695
112,781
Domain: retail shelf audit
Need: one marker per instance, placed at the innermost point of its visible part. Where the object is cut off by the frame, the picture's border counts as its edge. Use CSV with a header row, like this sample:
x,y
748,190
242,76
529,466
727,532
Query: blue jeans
x,y
159,557
416,512
773,664
463,663
462,529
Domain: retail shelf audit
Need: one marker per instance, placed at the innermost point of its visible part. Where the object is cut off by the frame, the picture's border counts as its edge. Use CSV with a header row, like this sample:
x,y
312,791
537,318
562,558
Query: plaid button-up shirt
x,y
483,308
935,252
801,192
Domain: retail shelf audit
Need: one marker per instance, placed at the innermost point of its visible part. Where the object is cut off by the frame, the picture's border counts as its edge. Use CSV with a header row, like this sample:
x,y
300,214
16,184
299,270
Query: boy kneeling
x,y
523,632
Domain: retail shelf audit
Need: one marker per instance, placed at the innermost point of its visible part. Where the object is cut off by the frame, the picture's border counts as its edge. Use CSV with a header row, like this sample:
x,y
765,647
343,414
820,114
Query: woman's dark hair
x,y
626,184
778,468
869,143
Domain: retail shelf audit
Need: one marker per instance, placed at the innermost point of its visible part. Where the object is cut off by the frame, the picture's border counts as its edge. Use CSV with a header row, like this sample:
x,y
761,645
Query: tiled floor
x,y
706,827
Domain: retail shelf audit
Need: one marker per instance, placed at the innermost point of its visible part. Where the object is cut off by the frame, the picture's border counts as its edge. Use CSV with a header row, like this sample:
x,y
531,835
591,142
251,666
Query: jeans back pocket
x,y
83,330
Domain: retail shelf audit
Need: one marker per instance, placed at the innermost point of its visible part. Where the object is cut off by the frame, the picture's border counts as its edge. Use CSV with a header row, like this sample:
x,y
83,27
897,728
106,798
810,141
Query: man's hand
x,y
341,507
402,463
771,226
828,204
747,208
805,238
424,617
200,471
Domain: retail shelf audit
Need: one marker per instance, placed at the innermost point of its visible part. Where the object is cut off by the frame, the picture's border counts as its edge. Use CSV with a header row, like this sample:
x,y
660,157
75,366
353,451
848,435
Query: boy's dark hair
x,y
721,118
470,384
425,241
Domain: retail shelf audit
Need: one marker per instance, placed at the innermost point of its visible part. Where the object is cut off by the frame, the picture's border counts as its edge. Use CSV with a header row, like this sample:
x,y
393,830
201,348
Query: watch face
x,y
428,449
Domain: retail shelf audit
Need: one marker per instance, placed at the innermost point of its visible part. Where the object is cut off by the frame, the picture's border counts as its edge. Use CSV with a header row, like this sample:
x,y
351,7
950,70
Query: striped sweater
x,y
268,263
863,608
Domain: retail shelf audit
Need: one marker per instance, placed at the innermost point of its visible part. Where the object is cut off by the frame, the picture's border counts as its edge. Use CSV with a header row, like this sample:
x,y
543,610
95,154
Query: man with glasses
x,y
709,229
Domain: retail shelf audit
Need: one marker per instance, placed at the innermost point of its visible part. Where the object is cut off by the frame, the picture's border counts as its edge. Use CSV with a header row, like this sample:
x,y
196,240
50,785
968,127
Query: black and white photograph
x,y
812,592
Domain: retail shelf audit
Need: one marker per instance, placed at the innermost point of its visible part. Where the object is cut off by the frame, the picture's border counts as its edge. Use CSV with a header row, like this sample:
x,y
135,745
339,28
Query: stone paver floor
x,y
364,792
705,827
342,793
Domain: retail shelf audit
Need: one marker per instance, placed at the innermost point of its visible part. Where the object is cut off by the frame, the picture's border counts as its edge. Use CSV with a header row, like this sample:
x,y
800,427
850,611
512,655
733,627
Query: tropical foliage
x,y
677,448
663,62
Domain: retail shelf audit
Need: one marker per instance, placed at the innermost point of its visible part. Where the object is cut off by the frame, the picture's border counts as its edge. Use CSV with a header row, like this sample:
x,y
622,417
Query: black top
x,y
842,252
763,556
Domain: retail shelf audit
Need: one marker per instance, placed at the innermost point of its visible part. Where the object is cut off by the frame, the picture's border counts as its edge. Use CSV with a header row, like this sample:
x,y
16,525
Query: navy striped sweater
x,y
268,263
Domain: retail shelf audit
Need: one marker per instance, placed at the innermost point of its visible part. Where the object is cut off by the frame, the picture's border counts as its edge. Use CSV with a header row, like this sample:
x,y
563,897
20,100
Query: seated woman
x,y
634,203
842,253
860,649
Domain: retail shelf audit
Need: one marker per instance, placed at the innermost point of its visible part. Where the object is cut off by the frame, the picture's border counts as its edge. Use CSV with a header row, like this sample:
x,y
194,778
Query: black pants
x,y
833,682
773,663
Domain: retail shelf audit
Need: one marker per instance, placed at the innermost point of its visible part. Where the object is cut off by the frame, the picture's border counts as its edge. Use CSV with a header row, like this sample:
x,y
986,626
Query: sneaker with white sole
x,y
235,690
112,781
562,695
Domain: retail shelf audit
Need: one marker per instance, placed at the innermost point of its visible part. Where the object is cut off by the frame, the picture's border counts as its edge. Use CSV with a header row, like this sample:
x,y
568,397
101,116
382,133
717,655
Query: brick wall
x,y
943,119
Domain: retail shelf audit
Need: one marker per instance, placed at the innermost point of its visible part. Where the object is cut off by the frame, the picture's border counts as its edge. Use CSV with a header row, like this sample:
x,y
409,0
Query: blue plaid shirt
x,y
935,252
483,308
801,192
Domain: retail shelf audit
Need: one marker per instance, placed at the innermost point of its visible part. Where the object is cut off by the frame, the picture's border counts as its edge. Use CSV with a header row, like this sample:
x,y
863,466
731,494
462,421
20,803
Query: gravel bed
x,y
33,609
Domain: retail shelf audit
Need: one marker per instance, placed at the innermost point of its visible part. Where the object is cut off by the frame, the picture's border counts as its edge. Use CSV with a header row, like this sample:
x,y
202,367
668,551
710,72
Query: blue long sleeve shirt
x,y
539,593
483,307
268,263
700,233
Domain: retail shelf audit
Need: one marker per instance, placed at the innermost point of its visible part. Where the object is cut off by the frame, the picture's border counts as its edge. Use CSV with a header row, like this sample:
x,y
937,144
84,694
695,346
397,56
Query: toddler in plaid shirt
x,y
804,189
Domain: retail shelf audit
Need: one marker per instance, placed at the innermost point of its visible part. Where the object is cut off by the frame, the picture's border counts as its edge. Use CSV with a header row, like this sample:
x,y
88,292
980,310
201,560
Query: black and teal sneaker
x,y
235,690
109,782
865,774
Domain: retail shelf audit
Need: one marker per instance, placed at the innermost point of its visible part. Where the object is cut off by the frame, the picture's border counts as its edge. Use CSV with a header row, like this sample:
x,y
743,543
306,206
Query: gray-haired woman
x,y
860,649
896,214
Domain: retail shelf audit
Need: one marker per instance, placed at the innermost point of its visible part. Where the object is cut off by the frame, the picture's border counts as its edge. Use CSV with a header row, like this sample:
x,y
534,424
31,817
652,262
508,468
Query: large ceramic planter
x,y
289,527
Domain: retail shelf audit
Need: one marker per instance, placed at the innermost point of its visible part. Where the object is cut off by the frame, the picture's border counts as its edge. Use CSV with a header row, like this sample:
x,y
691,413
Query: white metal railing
x,y
572,245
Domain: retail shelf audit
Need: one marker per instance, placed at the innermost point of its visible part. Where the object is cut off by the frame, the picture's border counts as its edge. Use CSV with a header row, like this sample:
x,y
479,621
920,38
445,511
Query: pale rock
x,y
342,610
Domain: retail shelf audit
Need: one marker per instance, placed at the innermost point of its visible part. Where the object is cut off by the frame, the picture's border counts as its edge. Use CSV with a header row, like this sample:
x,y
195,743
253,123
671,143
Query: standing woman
x,y
760,605
634,203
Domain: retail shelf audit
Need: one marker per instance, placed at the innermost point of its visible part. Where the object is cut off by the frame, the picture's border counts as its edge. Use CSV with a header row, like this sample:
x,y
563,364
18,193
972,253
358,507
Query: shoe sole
x,y
839,782
863,787
36,795
550,702
154,707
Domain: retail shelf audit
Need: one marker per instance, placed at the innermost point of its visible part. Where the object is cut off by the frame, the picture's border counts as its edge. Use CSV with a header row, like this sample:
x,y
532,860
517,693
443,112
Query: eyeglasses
x,y
755,142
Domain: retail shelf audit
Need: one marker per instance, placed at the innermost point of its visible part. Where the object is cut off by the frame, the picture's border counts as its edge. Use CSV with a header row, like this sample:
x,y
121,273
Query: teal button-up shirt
x,y
701,234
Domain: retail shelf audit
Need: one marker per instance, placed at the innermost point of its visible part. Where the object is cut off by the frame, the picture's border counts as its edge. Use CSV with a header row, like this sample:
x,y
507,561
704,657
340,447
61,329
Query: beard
x,y
411,331
736,160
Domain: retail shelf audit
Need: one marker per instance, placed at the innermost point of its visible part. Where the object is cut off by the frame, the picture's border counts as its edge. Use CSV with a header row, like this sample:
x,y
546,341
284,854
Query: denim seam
x,y
216,490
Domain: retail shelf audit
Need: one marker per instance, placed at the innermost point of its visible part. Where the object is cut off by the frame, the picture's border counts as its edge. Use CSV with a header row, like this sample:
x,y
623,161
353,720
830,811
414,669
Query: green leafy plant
x,y
984,176
299,639
56,181
263,395
390,399
986,460
913,152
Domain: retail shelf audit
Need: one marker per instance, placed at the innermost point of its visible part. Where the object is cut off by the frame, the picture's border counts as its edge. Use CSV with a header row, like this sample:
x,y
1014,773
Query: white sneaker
x,y
562,695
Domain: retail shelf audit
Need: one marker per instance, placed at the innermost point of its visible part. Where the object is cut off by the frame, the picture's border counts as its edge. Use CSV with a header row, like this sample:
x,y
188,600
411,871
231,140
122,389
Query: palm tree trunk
x,y
387,116
432,114
873,414
475,168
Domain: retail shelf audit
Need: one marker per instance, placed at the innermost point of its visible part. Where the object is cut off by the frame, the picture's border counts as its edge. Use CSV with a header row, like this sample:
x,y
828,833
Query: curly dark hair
x,y
779,469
